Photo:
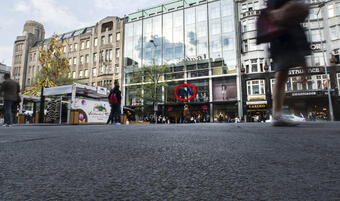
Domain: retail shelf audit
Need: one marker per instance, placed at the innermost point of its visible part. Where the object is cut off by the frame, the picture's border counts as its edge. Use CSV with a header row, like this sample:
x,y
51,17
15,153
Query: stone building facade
x,y
94,53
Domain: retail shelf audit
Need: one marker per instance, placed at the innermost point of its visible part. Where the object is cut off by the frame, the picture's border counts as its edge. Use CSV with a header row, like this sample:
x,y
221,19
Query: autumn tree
x,y
54,67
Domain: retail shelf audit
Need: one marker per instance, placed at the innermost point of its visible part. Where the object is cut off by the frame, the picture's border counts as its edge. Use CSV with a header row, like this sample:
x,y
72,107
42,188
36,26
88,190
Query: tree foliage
x,y
149,83
54,68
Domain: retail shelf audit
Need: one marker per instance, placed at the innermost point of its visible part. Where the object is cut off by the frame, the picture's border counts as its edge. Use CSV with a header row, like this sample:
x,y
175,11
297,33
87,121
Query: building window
x,y
331,11
255,87
272,82
117,52
107,52
94,57
87,44
117,68
110,38
74,75
337,8
315,36
71,48
81,74
245,45
338,80
86,73
333,33
315,82
103,40
94,72
95,42
110,55
252,45
74,61
81,60
82,45
117,36
87,58
76,47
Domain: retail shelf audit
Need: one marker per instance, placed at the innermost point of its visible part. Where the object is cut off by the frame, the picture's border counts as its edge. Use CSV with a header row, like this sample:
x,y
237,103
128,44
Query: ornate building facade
x,y
94,53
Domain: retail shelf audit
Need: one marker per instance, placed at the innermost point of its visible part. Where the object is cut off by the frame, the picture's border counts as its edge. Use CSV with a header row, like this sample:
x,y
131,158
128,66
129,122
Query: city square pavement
x,y
253,161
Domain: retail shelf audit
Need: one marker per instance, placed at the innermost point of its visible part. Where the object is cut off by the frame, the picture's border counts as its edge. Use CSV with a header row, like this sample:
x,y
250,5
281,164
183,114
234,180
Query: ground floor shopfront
x,y
199,112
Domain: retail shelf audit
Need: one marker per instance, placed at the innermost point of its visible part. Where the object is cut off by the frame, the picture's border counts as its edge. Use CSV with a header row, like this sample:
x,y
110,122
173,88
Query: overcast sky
x,y
57,16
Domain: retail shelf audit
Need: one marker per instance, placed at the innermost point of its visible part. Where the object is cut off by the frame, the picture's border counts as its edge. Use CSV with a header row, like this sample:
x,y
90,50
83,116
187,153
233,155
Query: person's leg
x,y
6,112
118,113
279,92
14,112
110,117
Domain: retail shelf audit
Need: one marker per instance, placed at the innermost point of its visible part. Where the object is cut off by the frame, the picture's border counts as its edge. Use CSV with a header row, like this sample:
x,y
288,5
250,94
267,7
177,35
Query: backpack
x,y
113,98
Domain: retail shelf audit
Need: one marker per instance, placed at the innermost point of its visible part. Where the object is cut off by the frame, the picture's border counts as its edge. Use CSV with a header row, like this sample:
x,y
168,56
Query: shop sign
x,y
257,106
199,58
300,71
316,47
205,107
308,93
253,98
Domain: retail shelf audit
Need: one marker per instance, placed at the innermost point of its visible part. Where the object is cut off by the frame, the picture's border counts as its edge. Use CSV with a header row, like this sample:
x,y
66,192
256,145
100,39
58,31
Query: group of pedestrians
x,y
10,91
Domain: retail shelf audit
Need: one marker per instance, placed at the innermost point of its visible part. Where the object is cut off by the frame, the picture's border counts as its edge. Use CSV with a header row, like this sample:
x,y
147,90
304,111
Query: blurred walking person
x,y
279,25
10,89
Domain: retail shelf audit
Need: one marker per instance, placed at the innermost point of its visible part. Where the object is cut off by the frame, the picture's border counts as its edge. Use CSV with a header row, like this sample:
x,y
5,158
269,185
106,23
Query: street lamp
x,y
155,87
330,105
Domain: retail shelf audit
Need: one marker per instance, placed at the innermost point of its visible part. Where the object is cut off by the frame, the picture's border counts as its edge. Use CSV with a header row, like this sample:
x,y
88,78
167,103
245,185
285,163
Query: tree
x,y
148,82
54,68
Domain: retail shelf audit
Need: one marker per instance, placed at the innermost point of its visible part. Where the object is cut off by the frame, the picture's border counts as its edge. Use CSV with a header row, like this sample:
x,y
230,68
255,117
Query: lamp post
x,y
155,87
330,105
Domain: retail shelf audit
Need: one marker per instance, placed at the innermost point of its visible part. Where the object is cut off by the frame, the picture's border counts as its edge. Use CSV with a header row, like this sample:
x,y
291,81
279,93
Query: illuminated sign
x,y
256,97
257,106
205,107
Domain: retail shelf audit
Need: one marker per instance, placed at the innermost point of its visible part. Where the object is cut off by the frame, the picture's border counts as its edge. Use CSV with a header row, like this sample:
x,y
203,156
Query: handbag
x,y
267,31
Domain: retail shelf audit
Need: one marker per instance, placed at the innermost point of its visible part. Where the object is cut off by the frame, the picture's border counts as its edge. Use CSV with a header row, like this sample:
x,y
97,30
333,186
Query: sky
x,y
58,16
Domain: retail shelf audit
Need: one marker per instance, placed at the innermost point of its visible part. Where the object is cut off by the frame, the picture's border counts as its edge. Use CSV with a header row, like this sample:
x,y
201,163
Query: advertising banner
x,y
92,110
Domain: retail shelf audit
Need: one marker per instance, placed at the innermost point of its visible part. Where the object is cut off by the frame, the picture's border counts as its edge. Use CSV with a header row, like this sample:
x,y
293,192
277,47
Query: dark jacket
x,y
11,89
293,40
118,94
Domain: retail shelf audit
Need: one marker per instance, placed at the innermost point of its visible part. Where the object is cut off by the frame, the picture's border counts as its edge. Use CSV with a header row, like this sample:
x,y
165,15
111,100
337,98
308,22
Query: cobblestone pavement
x,y
170,162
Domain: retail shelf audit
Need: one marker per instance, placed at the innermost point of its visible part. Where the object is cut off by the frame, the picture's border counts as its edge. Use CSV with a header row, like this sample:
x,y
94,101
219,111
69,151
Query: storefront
x,y
307,104
199,111
257,111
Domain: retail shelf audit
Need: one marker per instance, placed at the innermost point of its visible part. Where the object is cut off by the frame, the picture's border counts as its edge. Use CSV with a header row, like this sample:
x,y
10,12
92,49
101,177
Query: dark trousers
x,y
10,113
114,114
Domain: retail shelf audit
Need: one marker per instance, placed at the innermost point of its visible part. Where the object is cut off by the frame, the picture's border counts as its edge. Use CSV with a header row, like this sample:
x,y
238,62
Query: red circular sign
x,y
186,99
205,107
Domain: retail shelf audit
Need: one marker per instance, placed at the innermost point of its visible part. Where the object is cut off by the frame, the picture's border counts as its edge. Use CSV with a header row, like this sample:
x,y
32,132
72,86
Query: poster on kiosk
x,y
92,110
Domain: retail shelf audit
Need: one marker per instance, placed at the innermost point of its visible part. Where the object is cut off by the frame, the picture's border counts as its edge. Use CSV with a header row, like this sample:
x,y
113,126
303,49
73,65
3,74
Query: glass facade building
x,y
198,40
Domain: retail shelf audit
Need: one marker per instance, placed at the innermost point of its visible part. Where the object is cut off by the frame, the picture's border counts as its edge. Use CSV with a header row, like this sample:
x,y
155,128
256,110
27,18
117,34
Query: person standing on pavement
x,y
115,98
10,89
287,50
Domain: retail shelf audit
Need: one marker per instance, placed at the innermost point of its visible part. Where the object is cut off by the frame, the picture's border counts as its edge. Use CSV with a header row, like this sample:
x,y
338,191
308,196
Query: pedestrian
x,y
288,48
115,98
10,89
186,114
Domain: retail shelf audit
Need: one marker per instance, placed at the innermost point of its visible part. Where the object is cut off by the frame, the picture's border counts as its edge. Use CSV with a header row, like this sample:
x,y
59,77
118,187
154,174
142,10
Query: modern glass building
x,y
198,40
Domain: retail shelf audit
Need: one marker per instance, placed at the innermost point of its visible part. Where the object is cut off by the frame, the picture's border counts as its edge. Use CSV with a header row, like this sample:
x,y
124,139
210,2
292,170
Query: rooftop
x,y
165,8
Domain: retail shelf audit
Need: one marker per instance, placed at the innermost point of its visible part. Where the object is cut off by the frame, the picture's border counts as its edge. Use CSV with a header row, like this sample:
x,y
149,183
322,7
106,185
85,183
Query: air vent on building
x,y
170,9
202,1
192,4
